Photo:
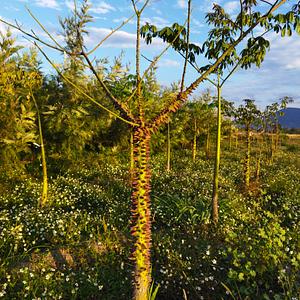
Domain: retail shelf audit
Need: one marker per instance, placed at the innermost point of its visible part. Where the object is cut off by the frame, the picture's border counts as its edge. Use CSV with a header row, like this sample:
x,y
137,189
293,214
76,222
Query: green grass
x,y
79,247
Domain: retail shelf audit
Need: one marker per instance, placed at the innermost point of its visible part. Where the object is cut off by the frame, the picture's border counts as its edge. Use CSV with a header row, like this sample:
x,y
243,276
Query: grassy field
x,y
79,246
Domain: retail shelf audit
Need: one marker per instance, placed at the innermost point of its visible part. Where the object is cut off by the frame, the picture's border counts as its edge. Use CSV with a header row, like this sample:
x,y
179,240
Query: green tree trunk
x,y
272,148
247,159
141,223
230,139
131,156
168,148
277,137
258,163
215,209
44,197
195,141
207,146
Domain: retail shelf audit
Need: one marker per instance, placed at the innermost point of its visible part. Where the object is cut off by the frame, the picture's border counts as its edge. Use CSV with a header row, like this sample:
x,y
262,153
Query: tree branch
x,y
187,46
81,90
33,36
266,2
110,34
122,107
44,29
155,60
181,97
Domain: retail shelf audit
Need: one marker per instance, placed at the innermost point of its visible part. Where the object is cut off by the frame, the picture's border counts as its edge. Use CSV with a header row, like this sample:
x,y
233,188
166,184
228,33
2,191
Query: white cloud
x,y
101,8
157,21
69,4
198,23
231,6
295,64
168,63
181,3
156,10
120,39
123,19
47,3
2,26
97,7
206,5
284,53
277,77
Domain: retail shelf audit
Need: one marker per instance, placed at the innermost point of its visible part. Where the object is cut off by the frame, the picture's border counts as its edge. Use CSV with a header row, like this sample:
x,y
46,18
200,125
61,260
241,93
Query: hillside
x,y
291,118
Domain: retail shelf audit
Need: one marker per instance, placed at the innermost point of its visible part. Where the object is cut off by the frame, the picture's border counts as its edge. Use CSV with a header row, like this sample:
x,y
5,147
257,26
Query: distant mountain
x,y
291,118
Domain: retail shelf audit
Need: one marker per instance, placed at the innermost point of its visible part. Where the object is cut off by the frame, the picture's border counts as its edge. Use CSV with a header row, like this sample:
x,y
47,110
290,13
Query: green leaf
x,y
241,276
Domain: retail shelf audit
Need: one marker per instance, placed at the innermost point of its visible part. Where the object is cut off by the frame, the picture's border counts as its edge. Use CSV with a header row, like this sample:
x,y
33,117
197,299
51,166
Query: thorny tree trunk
x,y
141,223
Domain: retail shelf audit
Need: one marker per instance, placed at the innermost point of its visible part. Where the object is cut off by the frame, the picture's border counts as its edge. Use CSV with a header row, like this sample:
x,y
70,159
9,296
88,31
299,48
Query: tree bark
x,y
141,223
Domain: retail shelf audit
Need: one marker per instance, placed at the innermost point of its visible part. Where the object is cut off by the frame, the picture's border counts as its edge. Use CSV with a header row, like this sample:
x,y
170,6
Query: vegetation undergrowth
x,y
78,246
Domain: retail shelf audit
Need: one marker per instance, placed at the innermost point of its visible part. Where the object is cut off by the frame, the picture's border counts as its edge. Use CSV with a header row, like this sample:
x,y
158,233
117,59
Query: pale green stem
x,y
195,141
247,160
230,139
44,197
207,148
215,209
168,148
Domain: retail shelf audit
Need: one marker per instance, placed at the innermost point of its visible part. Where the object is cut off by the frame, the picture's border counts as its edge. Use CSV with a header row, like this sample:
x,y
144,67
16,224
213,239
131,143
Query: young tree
x,y
19,72
271,119
143,128
247,116
44,197
200,112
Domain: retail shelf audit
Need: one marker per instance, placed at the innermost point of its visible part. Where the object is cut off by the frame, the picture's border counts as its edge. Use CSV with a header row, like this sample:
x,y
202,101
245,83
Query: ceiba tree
x,y
132,112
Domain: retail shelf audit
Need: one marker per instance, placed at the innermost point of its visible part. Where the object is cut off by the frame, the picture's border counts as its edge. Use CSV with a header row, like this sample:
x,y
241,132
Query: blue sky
x,y
277,77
